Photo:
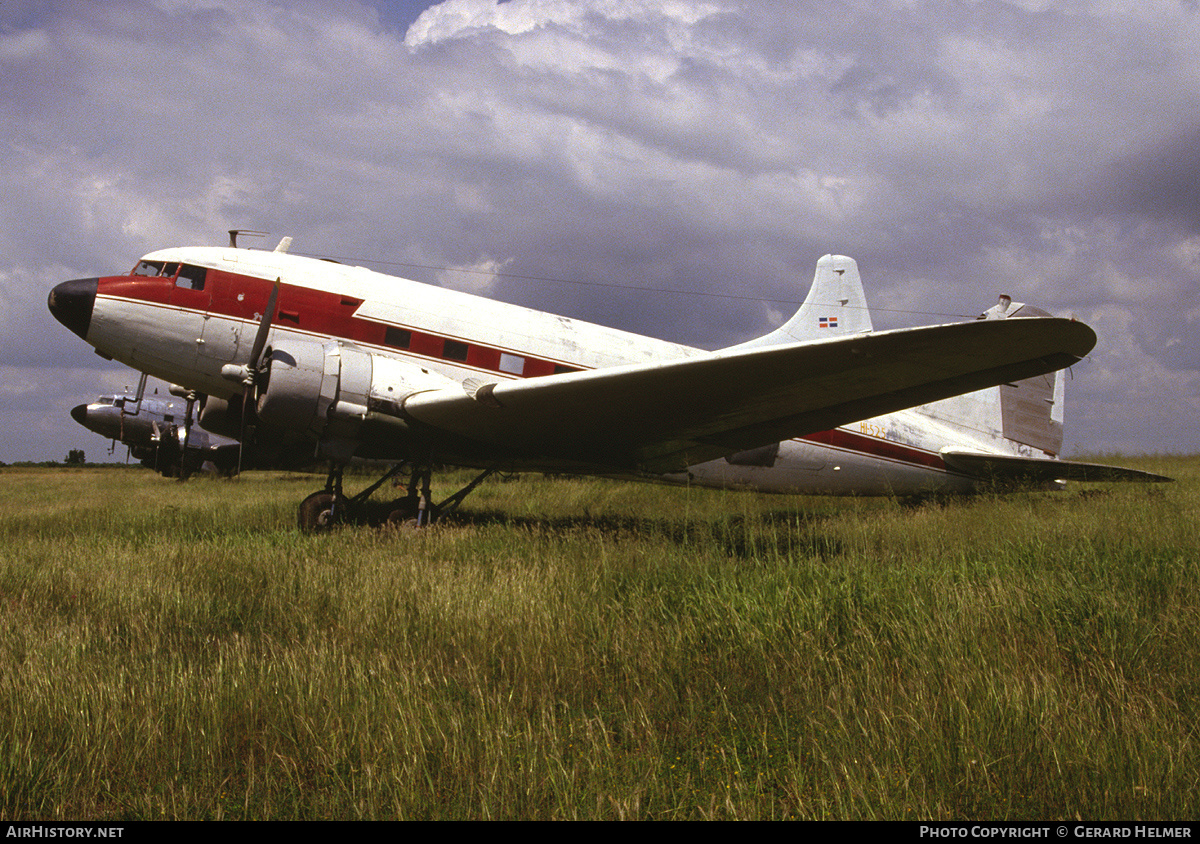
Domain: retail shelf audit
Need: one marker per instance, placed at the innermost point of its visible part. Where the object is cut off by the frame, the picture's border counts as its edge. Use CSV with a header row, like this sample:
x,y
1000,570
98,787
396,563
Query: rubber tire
x,y
316,511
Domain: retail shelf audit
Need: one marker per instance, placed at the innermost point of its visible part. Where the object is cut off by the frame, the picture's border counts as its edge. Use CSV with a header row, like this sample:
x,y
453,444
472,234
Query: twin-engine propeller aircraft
x,y
159,432
307,358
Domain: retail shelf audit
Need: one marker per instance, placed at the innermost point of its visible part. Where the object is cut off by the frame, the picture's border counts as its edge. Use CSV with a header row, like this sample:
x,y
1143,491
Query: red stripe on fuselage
x,y
875,447
322,313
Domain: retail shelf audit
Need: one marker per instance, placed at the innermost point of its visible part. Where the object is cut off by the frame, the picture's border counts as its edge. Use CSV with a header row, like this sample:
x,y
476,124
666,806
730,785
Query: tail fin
x,y
1028,412
1031,411
835,306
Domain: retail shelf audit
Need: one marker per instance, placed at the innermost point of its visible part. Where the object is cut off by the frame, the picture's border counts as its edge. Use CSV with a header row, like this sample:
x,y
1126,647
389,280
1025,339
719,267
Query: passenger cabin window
x,y
513,364
191,277
454,350
399,338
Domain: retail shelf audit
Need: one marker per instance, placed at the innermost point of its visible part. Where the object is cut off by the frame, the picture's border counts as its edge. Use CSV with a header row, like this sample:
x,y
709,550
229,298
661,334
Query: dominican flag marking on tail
x,y
827,322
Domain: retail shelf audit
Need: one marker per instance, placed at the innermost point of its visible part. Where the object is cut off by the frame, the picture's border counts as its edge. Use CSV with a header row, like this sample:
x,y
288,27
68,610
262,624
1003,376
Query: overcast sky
x,y
958,150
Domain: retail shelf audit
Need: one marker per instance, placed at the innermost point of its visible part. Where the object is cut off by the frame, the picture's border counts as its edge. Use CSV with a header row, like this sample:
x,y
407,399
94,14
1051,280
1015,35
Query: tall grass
x,y
589,649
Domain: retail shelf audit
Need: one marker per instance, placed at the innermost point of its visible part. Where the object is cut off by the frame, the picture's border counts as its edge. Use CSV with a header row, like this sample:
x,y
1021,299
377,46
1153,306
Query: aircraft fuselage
x,y
185,313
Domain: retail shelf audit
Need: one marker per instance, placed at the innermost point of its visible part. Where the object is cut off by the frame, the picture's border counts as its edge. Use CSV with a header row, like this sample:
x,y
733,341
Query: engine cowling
x,y
291,392
329,391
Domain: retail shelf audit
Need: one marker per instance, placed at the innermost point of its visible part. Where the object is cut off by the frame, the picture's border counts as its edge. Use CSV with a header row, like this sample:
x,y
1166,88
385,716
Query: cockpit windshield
x,y
148,268
185,275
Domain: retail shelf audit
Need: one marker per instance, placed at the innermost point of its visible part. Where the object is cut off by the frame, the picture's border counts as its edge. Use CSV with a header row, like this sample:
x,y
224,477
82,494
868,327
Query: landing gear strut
x,y
322,510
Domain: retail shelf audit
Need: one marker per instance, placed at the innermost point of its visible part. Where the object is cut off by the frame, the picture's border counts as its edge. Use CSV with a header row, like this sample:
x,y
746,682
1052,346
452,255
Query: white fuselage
x,y
162,326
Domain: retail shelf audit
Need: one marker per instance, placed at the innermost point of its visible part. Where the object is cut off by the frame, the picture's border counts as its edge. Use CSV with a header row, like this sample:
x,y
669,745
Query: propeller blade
x,y
187,418
187,433
242,432
264,327
260,343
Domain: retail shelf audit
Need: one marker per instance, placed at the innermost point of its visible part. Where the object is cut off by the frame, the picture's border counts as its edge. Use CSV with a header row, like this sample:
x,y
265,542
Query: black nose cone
x,y
79,413
71,303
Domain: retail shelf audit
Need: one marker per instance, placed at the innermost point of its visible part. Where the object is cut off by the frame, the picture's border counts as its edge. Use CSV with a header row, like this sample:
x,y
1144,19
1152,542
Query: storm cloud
x,y
558,153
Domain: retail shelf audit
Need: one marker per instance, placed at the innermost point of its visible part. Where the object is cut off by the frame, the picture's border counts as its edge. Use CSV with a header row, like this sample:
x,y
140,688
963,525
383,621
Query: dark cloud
x,y
1163,182
957,150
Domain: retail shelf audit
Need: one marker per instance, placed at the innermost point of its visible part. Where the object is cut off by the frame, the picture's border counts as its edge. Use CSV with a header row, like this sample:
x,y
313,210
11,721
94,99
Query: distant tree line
x,y
75,457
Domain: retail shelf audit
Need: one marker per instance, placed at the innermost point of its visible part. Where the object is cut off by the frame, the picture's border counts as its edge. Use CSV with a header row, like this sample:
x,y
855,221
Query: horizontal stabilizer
x,y
1010,469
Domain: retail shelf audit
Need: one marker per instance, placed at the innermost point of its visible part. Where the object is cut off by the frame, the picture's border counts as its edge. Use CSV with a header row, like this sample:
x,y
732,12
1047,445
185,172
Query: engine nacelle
x,y
221,416
292,391
329,390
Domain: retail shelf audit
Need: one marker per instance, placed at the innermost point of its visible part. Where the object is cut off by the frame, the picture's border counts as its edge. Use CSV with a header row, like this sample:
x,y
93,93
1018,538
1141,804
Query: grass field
x,y
591,649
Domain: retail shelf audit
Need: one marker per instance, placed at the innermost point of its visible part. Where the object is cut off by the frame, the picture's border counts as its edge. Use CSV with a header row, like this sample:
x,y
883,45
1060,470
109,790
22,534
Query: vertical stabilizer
x,y
1029,409
1027,412
836,305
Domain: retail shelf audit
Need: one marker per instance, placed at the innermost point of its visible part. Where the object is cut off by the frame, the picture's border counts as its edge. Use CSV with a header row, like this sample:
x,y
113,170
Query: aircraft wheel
x,y
402,510
316,513
403,519
407,516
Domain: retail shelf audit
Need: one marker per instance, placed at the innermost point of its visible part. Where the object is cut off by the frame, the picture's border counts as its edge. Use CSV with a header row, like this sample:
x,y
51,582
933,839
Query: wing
x,y
666,416
1032,470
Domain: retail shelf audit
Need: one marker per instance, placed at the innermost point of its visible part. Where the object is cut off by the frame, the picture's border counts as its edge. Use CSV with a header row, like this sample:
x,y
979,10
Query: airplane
x,y
159,433
310,358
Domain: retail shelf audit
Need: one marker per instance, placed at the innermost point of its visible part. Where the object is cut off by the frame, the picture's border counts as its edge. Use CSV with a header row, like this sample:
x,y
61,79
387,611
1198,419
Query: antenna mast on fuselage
x,y
233,236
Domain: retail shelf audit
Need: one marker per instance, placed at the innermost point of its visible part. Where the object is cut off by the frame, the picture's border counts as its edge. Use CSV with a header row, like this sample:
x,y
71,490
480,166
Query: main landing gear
x,y
322,510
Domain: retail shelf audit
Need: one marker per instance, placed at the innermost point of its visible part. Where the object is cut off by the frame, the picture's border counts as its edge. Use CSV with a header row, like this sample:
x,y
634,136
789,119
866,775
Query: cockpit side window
x,y
191,277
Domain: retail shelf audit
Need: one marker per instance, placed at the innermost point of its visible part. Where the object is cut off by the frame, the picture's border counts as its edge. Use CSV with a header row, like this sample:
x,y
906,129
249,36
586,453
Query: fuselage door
x,y
218,336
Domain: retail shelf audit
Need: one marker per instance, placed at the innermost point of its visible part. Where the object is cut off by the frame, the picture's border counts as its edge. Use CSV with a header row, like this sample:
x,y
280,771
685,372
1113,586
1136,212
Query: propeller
x,y
191,397
248,374
256,353
187,433
187,417
264,328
